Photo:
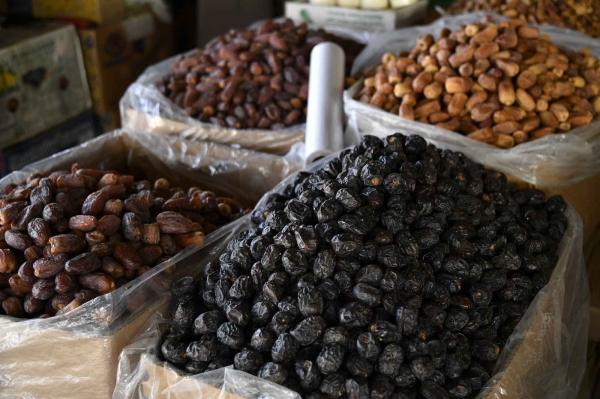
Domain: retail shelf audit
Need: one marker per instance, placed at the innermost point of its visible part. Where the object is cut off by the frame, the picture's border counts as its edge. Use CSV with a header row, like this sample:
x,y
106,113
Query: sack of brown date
x,y
247,88
312,331
516,96
92,237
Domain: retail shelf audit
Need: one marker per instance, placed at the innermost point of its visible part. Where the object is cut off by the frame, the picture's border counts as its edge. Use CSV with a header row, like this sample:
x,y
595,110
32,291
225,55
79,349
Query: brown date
x,y
82,264
32,305
94,238
43,289
99,282
41,195
59,301
74,304
127,255
186,240
112,267
83,223
149,254
39,231
168,244
33,253
151,234
8,261
9,212
20,285
109,224
27,272
64,282
174,223
103,249
85,295
94,203
66,203
13,307
132,227
49,267
66,243
17,240
26,215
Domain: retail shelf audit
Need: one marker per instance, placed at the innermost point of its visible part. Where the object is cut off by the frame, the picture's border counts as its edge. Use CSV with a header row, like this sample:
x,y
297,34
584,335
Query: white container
x,y
325,116
356,18
375,4
349,3
323,2
401,3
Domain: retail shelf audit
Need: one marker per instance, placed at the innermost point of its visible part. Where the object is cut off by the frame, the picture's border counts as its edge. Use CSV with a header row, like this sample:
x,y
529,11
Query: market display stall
x,y
439,255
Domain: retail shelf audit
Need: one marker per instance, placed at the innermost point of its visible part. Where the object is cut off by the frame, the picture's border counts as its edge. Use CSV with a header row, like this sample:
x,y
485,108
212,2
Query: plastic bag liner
x,y
141,374
144,107
76,355
554,161
545,357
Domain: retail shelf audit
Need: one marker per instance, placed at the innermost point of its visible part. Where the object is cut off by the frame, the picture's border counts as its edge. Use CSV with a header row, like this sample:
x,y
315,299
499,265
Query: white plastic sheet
x,y
555,161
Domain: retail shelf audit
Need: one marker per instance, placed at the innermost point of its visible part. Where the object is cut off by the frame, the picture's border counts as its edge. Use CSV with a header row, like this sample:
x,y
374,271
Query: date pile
x,y
68,237
396,268
251,79
580,15
502,84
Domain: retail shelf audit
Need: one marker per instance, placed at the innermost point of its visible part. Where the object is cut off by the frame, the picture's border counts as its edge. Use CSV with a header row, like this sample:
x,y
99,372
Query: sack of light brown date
x,y
70,350
539,132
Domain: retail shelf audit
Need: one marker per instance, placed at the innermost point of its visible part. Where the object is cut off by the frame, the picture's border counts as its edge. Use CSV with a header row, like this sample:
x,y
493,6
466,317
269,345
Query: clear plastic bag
x,y
144,107
555,161
545,357
76,355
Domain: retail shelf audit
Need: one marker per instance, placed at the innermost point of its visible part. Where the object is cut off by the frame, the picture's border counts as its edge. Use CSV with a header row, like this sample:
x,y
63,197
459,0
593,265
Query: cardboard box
x,y
355,18
117,54
99,11
42,80
214,18
594,370
60,138
66,364
592,258
16,8
109,120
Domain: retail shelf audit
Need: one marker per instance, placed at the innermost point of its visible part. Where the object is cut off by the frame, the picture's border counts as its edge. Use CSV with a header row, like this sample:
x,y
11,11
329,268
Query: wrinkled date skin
x,y
397,270
578,15
68,236
254,79
499,83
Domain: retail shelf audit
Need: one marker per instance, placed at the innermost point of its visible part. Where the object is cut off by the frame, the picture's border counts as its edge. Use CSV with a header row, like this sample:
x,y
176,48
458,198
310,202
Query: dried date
x,y
91,230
